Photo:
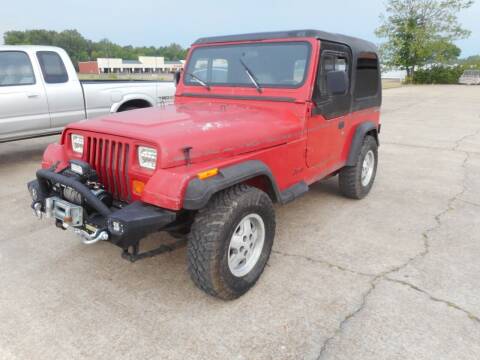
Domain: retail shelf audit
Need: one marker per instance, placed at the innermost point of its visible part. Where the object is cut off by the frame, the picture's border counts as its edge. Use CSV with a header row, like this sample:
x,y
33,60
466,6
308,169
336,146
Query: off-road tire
x,y
209,239
350,177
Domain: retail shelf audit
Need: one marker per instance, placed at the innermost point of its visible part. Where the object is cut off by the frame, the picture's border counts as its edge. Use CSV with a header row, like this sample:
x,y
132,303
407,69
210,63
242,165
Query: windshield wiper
x,y
200,81
251,76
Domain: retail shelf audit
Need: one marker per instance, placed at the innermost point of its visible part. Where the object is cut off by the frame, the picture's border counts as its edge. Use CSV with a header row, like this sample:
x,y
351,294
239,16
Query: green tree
x,y
472,62
74,44
15,38
174,52
418,32
81,49
30,37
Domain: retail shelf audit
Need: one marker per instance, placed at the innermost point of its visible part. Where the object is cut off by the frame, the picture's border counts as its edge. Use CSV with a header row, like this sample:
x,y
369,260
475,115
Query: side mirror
x,y
176,77
337,82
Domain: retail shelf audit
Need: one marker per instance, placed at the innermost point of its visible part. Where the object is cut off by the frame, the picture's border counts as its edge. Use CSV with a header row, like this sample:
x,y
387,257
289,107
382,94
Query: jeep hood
x,y
212,130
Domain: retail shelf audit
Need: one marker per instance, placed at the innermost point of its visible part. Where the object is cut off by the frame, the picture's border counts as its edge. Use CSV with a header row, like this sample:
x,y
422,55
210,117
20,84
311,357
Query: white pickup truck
x,y
40,93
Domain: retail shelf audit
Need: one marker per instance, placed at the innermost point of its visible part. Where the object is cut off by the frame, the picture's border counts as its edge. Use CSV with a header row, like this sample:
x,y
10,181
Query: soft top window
x,y
367,80
330,61
277,64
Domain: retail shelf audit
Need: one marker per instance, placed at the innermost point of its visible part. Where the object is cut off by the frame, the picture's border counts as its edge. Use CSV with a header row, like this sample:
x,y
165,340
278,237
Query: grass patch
x,y
390,84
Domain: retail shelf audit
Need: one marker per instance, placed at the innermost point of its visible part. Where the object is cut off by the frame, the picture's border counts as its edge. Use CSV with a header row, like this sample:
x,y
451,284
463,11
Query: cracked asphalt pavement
x,y
394,276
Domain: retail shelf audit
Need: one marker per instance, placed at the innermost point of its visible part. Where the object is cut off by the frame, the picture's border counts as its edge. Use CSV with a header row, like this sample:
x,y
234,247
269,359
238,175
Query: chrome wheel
x,y
368,167
246,245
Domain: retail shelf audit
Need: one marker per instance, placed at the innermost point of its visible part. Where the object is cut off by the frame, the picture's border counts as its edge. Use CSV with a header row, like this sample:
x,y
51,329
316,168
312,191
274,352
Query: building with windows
x,y
144,65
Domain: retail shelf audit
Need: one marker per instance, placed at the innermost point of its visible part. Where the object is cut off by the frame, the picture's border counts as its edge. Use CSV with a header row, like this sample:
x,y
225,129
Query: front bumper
x,y
124,225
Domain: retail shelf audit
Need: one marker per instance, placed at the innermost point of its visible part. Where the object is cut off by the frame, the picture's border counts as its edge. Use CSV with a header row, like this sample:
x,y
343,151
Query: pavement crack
x,y
347,318
417,146
469,202
449,207
323,262
448,303
424,252
463,138
455,147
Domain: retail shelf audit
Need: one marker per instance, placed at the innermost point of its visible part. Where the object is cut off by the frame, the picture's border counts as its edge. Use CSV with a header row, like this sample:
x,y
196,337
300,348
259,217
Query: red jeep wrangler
x,y
257,119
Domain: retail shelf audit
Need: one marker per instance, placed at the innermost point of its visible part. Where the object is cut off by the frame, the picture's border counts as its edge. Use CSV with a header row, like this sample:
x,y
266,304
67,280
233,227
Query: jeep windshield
x,y
276,64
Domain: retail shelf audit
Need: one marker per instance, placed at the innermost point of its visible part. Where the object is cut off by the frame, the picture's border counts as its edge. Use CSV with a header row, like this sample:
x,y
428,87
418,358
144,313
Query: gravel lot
x,y
395,276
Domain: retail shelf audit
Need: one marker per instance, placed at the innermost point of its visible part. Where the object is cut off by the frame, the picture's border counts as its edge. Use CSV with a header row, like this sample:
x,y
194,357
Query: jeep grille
x,y
110,159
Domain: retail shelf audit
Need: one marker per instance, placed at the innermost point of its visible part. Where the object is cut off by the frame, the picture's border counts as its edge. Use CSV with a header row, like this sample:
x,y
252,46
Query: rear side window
x,y
367,81
53,68
15,69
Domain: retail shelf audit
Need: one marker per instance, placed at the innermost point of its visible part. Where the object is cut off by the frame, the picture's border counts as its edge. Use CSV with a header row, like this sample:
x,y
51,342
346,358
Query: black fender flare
x,y
199,192
357,141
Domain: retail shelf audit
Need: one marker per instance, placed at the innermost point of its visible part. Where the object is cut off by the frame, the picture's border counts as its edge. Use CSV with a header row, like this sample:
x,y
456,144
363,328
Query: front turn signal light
x,y
208,173
138,187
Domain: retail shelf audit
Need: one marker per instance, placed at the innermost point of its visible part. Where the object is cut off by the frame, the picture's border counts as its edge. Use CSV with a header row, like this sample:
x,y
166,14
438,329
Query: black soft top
x,y
357,45
359,48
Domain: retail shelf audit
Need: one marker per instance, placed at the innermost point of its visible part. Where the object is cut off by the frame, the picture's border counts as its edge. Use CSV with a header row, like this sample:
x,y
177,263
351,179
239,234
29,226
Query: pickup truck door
x,y
63,89
23,103
326,125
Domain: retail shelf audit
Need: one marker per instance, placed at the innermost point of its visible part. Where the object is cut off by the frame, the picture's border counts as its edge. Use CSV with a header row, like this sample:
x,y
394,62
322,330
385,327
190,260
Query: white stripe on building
x,y
144,64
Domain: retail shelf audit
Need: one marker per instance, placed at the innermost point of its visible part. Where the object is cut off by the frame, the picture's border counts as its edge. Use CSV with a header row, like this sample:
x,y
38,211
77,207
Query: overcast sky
x,y
156,22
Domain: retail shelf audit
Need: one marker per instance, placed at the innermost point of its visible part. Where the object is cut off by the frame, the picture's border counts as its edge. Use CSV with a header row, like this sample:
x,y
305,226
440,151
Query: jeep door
x,y
23,101
326,125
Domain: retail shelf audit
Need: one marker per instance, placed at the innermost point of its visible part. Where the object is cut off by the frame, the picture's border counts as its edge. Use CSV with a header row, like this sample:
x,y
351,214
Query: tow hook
x,y
88,239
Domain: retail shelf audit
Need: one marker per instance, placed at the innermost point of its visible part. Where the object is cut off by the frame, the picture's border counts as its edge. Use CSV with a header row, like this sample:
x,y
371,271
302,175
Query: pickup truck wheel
x,y
230,241
356,181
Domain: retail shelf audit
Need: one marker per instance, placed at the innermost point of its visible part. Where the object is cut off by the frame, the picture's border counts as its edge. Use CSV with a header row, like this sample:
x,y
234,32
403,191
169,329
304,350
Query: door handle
x,y
31,96
341,124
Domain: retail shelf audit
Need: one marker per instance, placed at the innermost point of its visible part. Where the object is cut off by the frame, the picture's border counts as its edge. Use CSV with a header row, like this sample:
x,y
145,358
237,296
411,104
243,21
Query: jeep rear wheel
x,y
230,241
356,181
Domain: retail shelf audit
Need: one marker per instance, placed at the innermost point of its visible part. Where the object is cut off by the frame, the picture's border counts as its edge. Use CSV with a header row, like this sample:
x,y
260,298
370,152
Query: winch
x,y
84,173
70,205
96,189
76,200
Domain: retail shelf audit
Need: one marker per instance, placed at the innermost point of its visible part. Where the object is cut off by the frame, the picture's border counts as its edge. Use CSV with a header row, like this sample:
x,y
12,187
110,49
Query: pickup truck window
x,y
53,68
279,64
15,69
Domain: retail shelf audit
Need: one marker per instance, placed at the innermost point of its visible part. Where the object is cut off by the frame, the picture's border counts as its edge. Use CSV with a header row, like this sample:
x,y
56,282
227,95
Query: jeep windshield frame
x,y
276,64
